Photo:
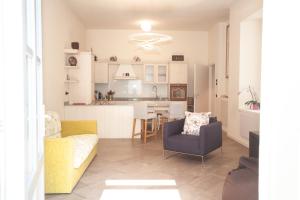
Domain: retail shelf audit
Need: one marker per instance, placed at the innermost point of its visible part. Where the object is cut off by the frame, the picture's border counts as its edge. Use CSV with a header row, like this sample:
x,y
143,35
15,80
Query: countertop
x,y
140,99
126,102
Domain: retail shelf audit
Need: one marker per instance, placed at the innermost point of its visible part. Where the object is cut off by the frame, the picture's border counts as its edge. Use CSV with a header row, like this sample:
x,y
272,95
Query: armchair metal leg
x,y
202,160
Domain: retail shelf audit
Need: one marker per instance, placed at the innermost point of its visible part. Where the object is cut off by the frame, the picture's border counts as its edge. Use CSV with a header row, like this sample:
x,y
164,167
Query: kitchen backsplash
x,y
132,89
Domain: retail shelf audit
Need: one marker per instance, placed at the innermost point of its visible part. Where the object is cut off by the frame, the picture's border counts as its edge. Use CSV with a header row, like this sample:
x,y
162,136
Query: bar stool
x,y
148,121
176,111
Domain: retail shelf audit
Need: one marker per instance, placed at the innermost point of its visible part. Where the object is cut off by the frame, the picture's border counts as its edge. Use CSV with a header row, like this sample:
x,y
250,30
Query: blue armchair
x,y
209,139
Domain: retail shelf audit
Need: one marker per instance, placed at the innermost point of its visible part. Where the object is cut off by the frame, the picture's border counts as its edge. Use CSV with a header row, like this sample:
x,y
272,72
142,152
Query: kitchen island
x,y
114,119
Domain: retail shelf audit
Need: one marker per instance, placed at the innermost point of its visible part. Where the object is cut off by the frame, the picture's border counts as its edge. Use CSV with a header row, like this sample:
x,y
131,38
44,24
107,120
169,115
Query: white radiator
x,y
249,121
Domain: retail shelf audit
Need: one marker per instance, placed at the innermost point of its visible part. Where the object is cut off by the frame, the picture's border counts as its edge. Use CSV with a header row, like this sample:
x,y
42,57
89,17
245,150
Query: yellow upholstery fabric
x,y
60,176
78,127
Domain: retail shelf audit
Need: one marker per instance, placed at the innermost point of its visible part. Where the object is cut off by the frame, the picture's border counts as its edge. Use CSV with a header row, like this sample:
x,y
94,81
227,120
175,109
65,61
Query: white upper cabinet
x,y
178,73
149,70
162,73
156,73
101,72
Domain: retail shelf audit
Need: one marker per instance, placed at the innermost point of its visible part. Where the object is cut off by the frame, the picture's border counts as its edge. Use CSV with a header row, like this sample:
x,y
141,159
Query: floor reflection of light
x,y
136,189
138,194
140,182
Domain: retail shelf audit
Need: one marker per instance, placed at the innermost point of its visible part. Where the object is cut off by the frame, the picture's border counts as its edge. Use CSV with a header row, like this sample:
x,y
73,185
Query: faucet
x,y
155,88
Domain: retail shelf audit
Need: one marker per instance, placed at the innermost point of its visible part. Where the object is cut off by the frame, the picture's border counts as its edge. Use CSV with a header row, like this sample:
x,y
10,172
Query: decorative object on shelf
x,y
68,77
72,60
148,40
113,59
110,95
136,59
75,45
95,58
100,95
177,57
253,103
178,92
96,95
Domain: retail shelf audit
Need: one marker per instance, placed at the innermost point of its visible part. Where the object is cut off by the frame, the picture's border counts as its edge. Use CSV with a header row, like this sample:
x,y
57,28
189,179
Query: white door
x,y
212,90
34,108
21,104
201,88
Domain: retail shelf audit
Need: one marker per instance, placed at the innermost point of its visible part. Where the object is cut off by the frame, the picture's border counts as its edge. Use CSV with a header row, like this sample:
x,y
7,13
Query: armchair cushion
x,y
194,121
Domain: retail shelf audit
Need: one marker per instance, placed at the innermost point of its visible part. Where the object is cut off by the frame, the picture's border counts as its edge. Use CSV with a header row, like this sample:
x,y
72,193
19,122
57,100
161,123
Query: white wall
x,y
217,57
250,58
279,159
60,28
239,11
193,44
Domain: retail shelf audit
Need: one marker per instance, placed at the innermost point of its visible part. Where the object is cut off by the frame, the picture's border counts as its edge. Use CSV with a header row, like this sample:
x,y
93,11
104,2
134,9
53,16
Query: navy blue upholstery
x,y
210,138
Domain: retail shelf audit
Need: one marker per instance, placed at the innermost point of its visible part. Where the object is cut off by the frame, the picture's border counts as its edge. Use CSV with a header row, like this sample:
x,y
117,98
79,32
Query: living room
x,y
146,99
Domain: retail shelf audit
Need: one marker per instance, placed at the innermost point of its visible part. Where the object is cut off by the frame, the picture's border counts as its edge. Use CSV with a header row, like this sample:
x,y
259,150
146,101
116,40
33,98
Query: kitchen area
x,y
107,90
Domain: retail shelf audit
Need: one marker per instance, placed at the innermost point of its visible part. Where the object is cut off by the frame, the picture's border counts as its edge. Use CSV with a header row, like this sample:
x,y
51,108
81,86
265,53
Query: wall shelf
x,y
71,51
71,81
71,67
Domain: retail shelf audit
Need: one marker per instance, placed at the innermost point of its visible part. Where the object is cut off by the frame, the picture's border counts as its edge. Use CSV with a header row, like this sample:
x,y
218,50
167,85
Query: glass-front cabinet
x,y
156,73
162,73
149,70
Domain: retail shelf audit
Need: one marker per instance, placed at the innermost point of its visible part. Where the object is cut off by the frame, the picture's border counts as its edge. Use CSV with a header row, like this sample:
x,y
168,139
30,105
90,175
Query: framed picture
x,y
178,92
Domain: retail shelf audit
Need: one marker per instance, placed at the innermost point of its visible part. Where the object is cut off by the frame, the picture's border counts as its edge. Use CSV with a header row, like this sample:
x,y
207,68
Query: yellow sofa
x,y
60,174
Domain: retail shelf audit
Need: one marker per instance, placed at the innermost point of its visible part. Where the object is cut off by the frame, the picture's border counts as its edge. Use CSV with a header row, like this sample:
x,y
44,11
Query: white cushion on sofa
x,y
83,145
52,125
194,121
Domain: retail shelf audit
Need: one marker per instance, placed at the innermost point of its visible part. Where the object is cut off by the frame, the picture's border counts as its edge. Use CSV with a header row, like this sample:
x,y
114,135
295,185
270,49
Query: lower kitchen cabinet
x,y
113,121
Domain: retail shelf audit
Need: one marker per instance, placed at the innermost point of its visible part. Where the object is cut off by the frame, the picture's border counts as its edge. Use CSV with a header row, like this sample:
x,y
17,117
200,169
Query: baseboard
x,y
239,140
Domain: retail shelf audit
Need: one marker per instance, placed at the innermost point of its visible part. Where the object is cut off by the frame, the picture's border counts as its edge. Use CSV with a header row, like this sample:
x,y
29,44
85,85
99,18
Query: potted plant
x,y
253,104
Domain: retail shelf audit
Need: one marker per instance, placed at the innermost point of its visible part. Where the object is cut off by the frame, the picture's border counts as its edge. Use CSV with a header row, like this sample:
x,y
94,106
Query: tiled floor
x,y
120,160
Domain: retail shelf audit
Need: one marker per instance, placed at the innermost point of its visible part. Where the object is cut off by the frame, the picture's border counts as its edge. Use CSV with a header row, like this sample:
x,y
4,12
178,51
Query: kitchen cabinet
x,y
113,121
178,73
156,73
101,72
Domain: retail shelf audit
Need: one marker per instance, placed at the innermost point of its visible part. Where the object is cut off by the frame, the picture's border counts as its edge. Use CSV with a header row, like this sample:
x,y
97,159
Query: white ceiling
x,y
165,14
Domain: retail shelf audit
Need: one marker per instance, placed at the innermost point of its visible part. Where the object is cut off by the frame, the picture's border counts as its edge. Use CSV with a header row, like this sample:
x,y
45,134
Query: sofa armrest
x,y
250,163
173,127
213,120
58,161
210,137
78,127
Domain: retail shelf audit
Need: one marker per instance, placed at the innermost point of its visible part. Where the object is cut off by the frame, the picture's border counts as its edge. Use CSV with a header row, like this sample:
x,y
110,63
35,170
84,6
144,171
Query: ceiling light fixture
x,y
148,40
146,26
